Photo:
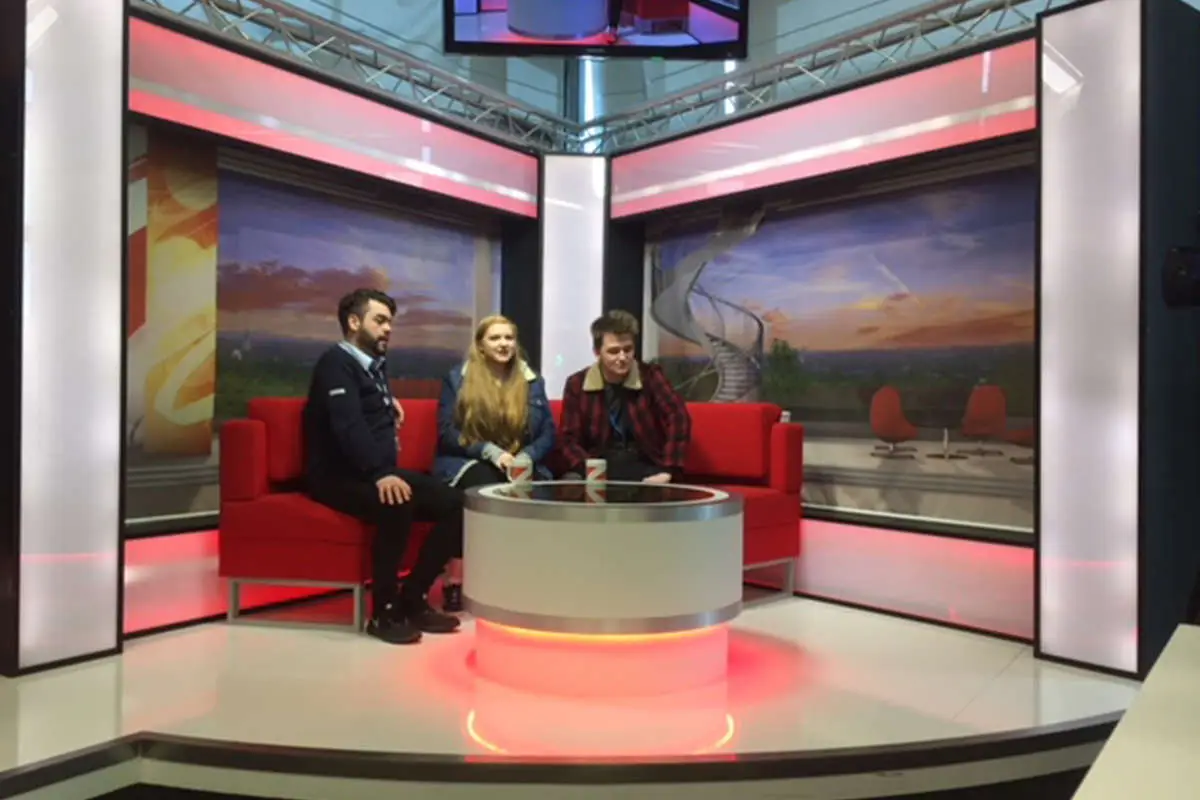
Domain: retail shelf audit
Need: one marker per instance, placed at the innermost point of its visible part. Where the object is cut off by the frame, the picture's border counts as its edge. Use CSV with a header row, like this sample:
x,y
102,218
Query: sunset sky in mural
x,y
943,266
286,258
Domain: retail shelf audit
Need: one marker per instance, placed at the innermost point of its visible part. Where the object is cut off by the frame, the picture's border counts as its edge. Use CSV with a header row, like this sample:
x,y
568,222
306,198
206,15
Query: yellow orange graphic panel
x,y
174,352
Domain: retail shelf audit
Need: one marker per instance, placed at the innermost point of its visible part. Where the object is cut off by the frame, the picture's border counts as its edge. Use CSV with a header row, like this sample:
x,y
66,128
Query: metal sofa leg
x,y
360,607
235,600
789,578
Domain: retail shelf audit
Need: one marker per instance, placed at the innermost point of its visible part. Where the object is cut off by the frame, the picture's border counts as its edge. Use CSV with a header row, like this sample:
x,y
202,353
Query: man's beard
x,y
369,344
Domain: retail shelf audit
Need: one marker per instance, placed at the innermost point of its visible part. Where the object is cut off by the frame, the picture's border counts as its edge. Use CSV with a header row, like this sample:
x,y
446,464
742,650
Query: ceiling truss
x,y
928,32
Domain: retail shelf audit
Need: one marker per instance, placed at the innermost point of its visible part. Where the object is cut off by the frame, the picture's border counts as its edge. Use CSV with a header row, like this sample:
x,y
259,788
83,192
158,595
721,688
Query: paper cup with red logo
x,y
596,493
520,470
596,470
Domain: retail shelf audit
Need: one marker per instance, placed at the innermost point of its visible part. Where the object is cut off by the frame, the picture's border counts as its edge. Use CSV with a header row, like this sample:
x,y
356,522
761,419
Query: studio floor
x,y
803,675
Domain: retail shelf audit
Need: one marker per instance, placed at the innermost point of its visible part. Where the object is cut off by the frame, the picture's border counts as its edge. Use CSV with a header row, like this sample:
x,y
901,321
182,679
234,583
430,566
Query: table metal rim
x,y
596,626
718,505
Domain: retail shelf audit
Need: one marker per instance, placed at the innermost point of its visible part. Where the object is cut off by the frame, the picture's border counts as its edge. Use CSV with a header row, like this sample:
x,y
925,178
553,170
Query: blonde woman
x,y
493,408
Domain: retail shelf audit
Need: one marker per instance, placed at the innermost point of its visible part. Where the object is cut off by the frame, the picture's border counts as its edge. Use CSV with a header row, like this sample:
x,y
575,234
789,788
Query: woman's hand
x,y
504,461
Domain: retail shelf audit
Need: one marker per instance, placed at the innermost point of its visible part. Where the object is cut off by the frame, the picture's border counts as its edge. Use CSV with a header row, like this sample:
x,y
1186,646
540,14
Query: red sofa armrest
x,y
787,457
243,460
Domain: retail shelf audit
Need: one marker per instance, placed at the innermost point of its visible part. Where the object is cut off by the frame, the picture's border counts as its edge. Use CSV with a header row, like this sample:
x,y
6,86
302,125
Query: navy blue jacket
x,y
452,456
349,424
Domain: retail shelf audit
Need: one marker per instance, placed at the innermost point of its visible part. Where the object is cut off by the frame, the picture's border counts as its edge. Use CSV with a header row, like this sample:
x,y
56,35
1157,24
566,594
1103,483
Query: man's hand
x,y
399,413
505,460
393,490
661,477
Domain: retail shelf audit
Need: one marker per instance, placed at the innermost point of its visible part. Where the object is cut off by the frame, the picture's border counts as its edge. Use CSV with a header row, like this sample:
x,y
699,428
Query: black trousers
x,y
614,13
622,464
629,466
481,473
432,501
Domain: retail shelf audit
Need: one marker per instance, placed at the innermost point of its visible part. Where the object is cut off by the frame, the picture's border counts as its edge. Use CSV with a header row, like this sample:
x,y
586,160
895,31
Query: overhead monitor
x,y
676,29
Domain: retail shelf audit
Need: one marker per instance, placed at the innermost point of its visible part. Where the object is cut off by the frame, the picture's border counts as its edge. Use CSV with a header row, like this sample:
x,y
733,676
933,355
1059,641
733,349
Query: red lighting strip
x,y
492,747
599,638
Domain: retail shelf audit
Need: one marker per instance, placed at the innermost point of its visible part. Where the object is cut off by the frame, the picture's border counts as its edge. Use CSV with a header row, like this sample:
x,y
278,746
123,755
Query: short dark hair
x,y
616,323
356,303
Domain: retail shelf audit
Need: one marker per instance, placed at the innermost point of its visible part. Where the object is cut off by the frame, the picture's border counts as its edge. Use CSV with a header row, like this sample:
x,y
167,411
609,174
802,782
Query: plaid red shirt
x,y
657,414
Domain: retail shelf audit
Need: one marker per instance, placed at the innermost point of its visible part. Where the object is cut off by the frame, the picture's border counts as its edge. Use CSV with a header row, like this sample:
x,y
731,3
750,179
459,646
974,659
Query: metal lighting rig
x,y
930,31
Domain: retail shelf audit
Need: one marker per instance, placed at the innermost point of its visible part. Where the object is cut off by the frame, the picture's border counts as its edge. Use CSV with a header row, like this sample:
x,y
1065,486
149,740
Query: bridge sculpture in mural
x,y
730,335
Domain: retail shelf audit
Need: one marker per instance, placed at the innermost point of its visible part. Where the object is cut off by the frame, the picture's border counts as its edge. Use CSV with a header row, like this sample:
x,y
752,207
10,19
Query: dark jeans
x,y
432,501
614,13
627,466
622,464
481,473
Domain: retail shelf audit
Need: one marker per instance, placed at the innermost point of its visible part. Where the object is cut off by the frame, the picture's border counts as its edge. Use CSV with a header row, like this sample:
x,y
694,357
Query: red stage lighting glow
x,y
574,665
591,639
729,730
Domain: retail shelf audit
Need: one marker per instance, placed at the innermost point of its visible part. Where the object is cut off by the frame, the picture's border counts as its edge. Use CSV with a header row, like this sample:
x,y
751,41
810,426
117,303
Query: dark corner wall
x,y
624,259
12,226
521,282
1170,409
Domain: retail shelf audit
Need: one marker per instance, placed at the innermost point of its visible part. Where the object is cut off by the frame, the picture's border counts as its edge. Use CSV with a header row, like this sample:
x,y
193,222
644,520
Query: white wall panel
x,y
72,330
574,202
1090,99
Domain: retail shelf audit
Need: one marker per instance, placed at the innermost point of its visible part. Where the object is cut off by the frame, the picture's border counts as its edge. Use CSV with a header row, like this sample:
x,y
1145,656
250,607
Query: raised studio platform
x,y
819,700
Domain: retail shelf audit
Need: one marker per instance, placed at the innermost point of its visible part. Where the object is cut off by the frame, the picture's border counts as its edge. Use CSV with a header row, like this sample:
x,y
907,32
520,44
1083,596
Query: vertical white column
x,y
1090,316
574,199
72,330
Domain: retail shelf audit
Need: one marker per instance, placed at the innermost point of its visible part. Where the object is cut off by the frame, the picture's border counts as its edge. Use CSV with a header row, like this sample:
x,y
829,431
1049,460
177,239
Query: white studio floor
x,y
803,675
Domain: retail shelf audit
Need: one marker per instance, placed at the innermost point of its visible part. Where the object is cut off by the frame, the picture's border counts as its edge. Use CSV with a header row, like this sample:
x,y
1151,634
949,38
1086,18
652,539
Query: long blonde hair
x,y
491,410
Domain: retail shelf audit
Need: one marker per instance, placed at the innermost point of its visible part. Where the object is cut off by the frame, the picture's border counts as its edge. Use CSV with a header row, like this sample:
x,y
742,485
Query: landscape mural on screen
x,y
927,294
234,283
286,257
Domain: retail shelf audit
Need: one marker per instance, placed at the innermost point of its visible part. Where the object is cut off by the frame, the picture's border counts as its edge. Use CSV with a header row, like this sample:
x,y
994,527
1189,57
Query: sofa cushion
x,y
419,436
284,420
731,440
292,516
764,506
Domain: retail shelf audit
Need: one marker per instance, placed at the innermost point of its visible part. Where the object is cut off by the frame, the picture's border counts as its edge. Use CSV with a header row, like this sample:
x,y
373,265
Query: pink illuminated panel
x,y
969,100
170,580
975,584
186,81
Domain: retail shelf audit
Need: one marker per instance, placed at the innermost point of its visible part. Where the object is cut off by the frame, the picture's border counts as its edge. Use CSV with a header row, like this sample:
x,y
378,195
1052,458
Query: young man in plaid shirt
x,y
623,410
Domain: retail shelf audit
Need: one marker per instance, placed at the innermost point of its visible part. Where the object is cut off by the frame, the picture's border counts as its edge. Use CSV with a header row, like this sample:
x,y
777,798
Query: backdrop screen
x,y
190,82
972,99
898,328
233,288
681,29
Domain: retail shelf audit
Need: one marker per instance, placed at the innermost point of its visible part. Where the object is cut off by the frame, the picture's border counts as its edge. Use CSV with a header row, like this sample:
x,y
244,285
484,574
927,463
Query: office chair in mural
x,y
738,367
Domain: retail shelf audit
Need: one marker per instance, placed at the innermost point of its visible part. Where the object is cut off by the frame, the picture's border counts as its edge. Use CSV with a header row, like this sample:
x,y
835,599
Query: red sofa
x,y
272,533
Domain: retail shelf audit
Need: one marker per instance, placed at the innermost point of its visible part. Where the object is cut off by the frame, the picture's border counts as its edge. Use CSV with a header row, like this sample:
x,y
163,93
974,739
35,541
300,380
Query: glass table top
x,y
610,492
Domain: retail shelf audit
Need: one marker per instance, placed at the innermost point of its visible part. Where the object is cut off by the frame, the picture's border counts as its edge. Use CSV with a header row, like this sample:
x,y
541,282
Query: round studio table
x,y
602,558
557,19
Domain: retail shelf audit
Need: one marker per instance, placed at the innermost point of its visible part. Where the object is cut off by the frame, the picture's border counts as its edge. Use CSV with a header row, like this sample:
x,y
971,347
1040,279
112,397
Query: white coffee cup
x,y
596,470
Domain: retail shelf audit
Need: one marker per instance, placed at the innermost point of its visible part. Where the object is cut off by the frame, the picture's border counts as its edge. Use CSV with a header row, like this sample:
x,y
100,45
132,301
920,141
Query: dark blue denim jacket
x,y
452,456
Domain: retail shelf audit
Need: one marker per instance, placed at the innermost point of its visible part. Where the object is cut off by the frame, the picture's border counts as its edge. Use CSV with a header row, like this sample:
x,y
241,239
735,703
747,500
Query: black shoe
x,y
452,598
419,615
393,631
